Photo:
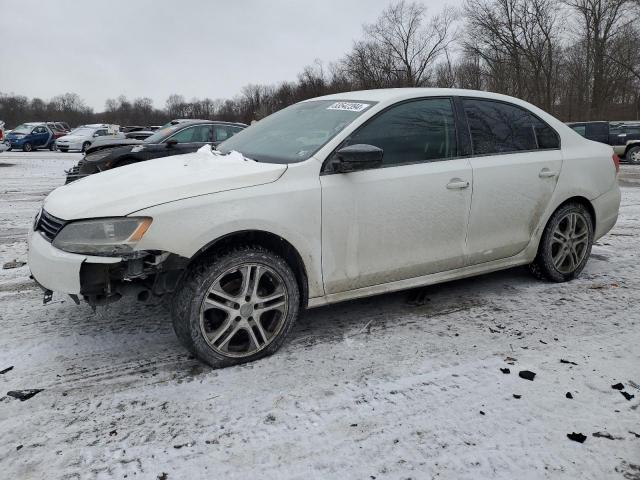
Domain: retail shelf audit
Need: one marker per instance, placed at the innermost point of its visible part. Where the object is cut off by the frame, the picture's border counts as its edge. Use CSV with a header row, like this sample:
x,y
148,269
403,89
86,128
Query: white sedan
x,y
331,199
81,138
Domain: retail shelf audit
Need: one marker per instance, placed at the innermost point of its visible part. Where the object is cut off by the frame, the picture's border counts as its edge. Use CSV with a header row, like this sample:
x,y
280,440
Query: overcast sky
x,y
153,48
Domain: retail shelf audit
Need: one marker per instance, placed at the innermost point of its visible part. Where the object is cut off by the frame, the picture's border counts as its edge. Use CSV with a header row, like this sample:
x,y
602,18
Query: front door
x,y
516,163
407,218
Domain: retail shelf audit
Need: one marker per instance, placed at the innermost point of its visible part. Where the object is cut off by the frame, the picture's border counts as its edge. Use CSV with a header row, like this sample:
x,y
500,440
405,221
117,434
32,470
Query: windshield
x,y
24,128
161,134
295,133
82,131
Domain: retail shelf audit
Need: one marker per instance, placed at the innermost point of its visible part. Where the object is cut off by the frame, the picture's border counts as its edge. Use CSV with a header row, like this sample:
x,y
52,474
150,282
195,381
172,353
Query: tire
x,y
27,147
565,245
228,332
52,147
633,155
85,145
64,150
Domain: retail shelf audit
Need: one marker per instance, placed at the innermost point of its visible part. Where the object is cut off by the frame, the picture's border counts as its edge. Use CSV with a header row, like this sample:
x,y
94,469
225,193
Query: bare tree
x,y
401,47
599,22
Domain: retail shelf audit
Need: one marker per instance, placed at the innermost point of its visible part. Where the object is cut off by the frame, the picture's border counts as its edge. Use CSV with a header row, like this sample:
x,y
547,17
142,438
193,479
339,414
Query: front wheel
x,y
85,145
565,245
52,147
27,147
236,307
633,155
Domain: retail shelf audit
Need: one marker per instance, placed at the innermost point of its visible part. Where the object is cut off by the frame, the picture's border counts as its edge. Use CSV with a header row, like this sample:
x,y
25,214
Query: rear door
x,y
406,218
516,162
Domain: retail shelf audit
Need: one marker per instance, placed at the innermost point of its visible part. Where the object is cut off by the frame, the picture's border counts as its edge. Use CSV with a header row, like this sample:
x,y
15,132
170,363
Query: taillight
x,y
616,162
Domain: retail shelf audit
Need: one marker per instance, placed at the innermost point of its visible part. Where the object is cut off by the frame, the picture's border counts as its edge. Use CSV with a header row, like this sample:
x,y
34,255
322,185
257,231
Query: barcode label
x,y
348,106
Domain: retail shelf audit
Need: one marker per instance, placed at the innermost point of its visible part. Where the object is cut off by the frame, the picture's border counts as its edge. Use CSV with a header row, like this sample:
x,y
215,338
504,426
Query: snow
x,y
379,387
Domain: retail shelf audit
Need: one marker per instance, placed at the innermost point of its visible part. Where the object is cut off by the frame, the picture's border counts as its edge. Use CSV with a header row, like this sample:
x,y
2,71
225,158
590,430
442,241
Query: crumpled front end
x,y
98,279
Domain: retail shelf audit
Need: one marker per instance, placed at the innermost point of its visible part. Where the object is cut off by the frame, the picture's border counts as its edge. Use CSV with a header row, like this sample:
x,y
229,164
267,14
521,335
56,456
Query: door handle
x,y
457,184
546,173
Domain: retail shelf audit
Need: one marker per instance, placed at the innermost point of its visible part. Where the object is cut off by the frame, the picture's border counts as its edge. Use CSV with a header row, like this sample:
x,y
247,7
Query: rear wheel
x,y
236,307
27,147
53,147
633,155
565,244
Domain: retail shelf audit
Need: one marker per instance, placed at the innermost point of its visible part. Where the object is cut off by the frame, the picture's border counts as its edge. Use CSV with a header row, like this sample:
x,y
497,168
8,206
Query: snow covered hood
x,y
124,190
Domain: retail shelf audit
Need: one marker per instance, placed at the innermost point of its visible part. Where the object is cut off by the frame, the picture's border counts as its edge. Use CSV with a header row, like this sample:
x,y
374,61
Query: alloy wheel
x,y
569,243
244,310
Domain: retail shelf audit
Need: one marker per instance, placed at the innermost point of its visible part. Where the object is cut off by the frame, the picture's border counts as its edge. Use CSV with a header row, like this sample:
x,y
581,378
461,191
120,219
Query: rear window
x,y
498,127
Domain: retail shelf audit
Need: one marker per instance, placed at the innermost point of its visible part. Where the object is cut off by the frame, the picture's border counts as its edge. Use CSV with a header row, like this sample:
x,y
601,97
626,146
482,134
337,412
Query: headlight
x,y
105,236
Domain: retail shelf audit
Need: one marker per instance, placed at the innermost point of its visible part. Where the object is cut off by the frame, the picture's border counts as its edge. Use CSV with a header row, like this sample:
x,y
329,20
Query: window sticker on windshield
x,y
348,106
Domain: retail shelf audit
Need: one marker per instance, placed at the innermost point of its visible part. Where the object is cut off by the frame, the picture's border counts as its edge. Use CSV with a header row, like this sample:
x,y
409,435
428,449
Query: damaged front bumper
x,y
101,280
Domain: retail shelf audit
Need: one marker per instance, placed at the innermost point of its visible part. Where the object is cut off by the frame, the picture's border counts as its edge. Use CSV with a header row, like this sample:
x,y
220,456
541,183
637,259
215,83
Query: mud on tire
x,y
213,300
565,245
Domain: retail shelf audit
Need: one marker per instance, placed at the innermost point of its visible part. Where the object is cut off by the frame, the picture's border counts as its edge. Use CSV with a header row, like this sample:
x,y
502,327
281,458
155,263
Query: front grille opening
x,y
49,225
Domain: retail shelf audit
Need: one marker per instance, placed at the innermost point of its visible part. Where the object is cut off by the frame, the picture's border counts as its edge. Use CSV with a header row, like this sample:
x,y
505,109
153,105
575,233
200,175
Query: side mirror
x,y
171,142
95,135
358,157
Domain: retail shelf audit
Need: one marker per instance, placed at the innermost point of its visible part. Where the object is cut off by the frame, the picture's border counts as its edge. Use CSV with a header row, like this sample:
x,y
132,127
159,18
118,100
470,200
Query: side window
x,y
184,136
222,133
197,134
416,131
39,130
498,127
101,133
581,129
633,130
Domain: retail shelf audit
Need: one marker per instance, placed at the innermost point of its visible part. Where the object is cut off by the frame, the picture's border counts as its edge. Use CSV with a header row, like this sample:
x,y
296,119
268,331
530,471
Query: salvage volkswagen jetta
x,y
333,198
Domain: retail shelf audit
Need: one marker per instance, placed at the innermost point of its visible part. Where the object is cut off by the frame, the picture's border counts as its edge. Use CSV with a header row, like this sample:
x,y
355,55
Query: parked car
x,y
31,136
624,137
58,131
82,137
330,199
183,137
3,146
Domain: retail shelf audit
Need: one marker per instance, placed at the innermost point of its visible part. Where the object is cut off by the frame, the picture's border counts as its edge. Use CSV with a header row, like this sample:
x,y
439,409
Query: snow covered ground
x,y
376,388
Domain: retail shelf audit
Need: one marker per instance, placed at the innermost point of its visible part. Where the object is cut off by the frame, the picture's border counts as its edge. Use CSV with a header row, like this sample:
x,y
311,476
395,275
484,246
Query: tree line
x,y
577,59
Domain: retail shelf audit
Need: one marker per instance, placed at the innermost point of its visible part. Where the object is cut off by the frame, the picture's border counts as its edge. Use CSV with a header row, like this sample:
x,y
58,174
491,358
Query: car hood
x,y
72,138
127,189
101,144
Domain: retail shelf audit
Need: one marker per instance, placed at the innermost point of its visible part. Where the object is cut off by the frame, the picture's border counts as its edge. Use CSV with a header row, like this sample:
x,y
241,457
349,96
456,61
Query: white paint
x,y
379,230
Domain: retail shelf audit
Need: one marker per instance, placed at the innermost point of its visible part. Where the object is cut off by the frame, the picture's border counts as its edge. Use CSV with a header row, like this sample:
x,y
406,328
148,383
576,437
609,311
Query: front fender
x,y
187,226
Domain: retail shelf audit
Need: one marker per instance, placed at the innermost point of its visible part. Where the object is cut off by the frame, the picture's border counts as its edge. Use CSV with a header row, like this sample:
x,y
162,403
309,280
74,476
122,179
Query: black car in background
x,y
624,137
185,136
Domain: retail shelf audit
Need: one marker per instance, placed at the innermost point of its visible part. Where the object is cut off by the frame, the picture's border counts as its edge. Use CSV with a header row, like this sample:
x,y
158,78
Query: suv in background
x,y
624,137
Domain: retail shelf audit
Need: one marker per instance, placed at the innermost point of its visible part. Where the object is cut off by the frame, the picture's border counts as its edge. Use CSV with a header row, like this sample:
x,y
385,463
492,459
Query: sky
x,y
154,48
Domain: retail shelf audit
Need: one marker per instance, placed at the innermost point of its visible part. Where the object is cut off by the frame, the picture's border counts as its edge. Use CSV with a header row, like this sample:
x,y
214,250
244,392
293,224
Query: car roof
x,y
392,95
190,121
